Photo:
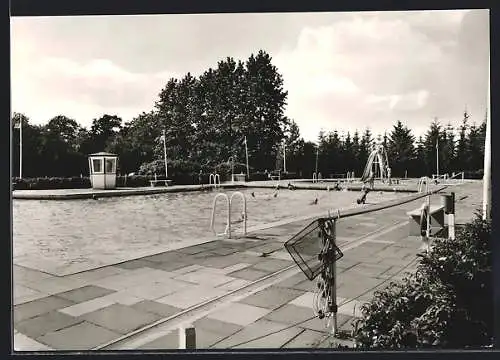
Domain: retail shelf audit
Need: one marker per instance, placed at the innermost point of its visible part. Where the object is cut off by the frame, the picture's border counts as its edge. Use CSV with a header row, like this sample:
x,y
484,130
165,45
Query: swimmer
x,y
253,194
291,187
275,194
94,196
362,199
315,202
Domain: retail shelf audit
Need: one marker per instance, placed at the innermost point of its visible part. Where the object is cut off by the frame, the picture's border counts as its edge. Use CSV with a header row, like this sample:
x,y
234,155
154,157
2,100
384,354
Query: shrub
x,y
447,303
46,183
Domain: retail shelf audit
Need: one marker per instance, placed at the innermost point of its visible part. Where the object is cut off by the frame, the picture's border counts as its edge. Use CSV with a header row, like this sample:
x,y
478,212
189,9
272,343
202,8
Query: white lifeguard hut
x,y
102,167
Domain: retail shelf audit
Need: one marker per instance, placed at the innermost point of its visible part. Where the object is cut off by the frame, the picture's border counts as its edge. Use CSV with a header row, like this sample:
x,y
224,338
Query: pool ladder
x,y
229,201
215,180
423,184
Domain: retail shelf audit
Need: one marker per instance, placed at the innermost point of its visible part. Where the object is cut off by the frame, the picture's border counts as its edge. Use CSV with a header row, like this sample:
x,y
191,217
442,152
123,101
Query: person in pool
x,y
364,192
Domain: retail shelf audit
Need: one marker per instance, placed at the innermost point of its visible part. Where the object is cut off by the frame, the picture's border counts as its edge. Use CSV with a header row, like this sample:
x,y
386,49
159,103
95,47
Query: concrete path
x,y
91,309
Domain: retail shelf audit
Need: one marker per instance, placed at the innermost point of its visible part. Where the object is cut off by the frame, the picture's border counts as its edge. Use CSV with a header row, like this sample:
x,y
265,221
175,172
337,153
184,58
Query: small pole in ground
x,y
451,218
187,338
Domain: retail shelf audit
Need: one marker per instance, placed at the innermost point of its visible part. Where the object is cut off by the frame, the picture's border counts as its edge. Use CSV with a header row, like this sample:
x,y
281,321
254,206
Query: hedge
x,y
447,303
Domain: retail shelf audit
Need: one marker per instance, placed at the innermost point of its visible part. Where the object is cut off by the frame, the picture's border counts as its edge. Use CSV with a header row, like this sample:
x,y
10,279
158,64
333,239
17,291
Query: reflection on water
x,y
74,235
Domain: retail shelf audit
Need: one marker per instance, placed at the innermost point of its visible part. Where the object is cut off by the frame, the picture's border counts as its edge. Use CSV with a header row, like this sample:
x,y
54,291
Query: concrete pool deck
x,y
407,185
90,309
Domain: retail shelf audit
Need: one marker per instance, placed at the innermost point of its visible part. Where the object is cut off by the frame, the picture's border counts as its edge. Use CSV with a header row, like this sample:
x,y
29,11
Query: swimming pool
x,y
64,237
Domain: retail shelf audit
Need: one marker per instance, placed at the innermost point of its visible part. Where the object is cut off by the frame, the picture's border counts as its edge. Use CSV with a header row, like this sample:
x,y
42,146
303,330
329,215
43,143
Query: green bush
x,y
447,303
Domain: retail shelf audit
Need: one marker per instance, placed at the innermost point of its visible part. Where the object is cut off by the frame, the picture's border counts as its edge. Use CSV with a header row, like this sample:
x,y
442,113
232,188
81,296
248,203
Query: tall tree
x,y
433,144
460,163
400,149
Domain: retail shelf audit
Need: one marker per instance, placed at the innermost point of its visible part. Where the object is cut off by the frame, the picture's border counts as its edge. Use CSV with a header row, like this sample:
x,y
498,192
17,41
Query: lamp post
x,y
246,155
317,153
165,153
284,157
437,156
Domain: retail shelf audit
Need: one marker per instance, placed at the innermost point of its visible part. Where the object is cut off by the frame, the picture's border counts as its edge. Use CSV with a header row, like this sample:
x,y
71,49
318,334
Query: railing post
x,y
451,218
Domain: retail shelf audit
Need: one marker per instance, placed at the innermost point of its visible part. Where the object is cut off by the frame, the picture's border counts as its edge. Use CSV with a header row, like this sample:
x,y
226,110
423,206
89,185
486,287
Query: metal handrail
x,y
216,180
421,181
243,197
212,222
337,214
229,201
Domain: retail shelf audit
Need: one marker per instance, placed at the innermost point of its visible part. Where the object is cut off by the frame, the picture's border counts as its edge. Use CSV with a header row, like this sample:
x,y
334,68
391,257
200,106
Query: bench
x,y
436,219
154,183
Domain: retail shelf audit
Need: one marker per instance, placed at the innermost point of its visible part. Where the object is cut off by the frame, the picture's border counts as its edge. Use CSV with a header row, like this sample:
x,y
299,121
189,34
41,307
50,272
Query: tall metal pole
x,y
487,158
333,284
437,156
165,154
246,155
317,153
284,158
20,147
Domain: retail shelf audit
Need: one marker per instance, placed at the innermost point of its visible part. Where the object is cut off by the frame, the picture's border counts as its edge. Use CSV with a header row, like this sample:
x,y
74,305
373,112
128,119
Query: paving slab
x,y
23,274
191,296
54,285
82,336
21,290
87,306
165,257
136,264
120,318
187,269
203,277
25,343
290,314
272,265
260,329
234,284
39,307
133,278
156,290
221,262
170,266
306,285
33,295
292,280
84,293
249,274
157,308
87,276
213,325
370,269
272,297
306,339
43,324
122,297
238,313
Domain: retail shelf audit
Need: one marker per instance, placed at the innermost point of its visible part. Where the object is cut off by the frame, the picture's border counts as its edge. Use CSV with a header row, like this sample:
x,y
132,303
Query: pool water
x,y
64,237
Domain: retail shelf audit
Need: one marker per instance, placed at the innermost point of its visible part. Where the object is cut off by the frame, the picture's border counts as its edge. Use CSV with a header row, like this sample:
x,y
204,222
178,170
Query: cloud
x,y
342,71
377,68
82,91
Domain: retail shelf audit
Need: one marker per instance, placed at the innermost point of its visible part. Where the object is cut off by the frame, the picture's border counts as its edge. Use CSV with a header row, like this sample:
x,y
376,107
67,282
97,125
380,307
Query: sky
x,y
343,71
